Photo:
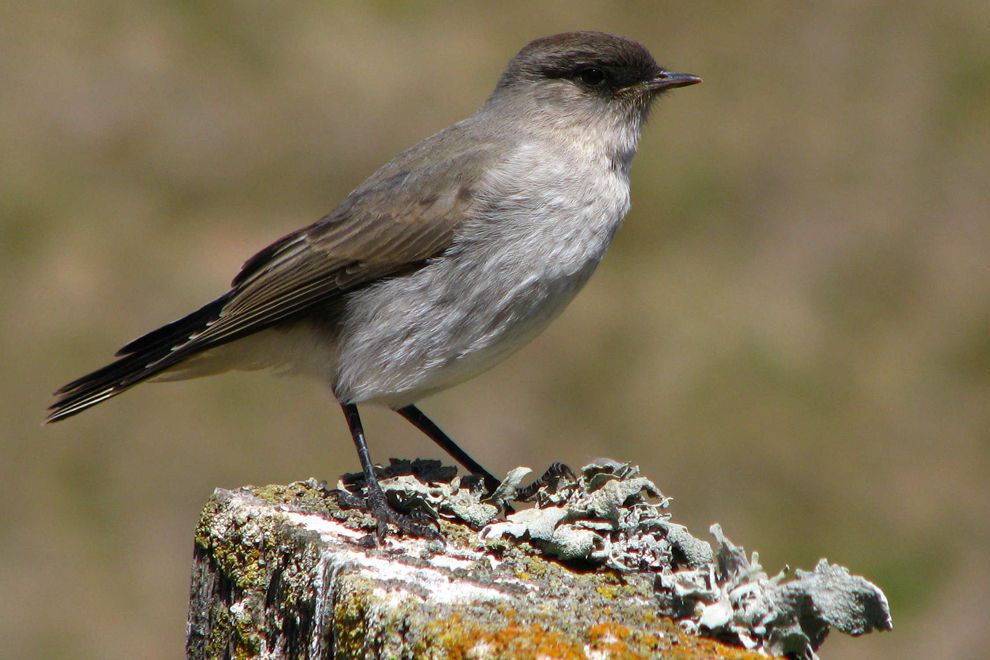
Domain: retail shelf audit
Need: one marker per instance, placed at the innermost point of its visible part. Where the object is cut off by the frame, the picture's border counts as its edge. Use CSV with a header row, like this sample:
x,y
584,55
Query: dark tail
x,y
139,360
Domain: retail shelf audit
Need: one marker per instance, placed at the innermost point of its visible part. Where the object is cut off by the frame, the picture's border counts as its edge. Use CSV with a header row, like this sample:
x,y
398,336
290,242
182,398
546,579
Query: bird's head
x,y
586,76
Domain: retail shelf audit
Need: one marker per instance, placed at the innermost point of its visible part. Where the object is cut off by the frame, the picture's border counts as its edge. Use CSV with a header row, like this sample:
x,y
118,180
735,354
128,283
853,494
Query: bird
x,y
442,263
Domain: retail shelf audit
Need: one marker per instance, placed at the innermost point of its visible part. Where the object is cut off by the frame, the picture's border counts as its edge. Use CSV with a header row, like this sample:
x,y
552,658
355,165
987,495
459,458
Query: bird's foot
x,y
554,473
414,523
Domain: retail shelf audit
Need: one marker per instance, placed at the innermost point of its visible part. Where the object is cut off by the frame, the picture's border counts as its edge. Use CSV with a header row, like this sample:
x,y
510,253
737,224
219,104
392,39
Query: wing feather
x,y
390,224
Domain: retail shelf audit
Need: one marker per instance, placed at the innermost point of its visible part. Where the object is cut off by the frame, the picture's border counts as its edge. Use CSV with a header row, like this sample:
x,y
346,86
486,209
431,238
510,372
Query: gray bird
x,y
442,263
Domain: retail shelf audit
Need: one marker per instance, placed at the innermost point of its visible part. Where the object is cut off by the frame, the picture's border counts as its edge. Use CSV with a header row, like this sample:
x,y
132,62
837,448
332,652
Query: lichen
x,y
293,573
457,638
735,599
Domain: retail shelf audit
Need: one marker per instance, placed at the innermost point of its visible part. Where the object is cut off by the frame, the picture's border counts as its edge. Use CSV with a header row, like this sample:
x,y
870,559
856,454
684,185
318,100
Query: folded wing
x,y
396,221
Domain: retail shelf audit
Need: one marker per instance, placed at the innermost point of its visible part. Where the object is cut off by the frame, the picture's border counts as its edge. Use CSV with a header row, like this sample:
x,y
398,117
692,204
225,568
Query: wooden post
x,y
595,569
281,571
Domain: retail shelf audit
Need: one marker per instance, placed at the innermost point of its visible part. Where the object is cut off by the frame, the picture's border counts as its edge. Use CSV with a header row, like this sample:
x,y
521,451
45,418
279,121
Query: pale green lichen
x,y
786,615
300,585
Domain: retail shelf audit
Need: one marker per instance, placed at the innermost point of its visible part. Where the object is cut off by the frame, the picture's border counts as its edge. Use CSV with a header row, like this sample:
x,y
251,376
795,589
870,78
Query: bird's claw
x,y
555,472
416,523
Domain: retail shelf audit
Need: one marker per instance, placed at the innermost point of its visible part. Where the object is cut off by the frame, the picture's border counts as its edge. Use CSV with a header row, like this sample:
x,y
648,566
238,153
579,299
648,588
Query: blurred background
x,y
791,334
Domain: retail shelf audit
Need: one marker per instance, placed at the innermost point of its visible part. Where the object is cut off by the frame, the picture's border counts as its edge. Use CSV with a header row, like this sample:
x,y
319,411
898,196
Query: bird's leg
x,y
377,503
436,434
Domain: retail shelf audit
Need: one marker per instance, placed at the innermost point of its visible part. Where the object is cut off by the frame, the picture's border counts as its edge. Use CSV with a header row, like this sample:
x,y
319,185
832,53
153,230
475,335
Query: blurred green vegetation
x,y
791,334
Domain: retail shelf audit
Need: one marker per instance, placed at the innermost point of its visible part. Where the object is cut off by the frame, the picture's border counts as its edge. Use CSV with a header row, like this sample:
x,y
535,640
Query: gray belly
x,y
406,338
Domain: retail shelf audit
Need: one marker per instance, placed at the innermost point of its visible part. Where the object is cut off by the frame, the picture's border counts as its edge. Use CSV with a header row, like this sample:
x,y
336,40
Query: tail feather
x,y
170,332
141,359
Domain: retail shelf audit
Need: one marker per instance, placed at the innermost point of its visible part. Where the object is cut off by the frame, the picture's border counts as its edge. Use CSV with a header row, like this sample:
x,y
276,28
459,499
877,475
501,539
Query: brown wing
x,y
399,218
394,222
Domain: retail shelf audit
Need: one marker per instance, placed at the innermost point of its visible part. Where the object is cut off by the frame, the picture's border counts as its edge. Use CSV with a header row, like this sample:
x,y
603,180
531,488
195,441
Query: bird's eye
x,y
591,75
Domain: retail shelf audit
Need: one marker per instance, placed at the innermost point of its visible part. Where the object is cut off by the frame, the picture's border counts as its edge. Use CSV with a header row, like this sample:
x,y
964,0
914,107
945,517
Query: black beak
x,y
664,80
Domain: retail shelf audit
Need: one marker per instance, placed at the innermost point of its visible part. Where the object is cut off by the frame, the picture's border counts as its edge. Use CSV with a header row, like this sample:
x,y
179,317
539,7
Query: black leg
x,y
436,434
377,503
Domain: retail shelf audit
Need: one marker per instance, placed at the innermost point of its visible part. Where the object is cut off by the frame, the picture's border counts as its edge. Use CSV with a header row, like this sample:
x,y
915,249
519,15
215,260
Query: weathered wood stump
x,y
280,572
283,571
